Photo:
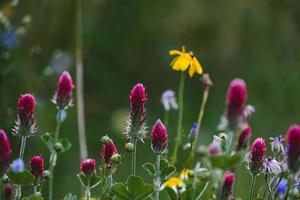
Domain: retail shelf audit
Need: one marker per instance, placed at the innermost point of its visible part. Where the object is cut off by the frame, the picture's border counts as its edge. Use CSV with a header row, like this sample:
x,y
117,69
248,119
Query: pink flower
x,y
108,150
63,96
5,152
257,155
88,166
8,191
37,166
138,98
244,138
159,137
293,147
25,125
227,186
136,123
236,98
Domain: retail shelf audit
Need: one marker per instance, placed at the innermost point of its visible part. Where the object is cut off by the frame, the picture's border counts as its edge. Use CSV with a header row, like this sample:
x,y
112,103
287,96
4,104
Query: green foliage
x,y
91,181
70,197
36,196
21,178
226,162
61,146
134,189
166,169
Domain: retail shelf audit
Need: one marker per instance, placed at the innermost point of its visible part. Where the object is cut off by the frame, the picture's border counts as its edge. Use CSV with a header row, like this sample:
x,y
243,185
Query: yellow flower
x,y
175,183
185,60
184,174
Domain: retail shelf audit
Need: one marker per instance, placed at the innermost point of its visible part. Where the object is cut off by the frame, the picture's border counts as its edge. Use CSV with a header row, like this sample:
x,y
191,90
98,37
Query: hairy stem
x,y
133,158
252,186
157,178
21,155
180,117
229,142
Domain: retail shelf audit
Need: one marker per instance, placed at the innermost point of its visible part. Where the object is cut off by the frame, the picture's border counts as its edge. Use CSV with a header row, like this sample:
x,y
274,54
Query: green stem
x,y
157,179
53,156
202,192
180,117
35,189
268,187
252,186
21,155
199,122
229,142
88,191
133,158
109,182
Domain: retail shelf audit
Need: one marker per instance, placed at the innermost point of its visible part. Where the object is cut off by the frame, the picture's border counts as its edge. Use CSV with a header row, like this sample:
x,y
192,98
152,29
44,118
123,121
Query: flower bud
x,y
168,100
46,174
8,192
129,147
37,166
105,139
63,95
257,155
5,179
108,150
58,147
5,152
236,97
159,137
136,124
244,138
25,125
116,158
88,166
227,186
138,98
293,147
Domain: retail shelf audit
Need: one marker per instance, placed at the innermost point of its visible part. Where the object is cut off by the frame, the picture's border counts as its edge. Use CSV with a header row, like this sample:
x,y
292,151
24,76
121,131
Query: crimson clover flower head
x,y
293,147
25,124
63,96
257,155
236,97
8,191
5,152
88,166
136,123
244,138
159,137
236,111
227,185
107,152
36,165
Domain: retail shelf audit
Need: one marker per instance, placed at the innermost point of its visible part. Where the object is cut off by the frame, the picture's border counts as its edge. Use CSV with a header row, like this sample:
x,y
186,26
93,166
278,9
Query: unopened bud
x,y
46,174
116,158
5,179
105,139
129,147
58,147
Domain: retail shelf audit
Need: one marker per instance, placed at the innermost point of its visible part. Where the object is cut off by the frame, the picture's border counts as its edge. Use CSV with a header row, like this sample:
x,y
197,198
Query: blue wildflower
x,y
18,165
193,131
281,188
9,38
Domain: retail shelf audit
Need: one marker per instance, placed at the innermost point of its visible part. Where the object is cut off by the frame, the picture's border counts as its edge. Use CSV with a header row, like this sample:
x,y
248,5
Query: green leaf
x,y
49,140
94,180
21,178
83,179
36,196
119,189
66,144
163,164
167,172
150,168
135,185
70,197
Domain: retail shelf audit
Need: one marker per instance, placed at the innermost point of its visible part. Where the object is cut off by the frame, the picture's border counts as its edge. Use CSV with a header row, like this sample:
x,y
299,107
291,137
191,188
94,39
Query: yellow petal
x,y
181,63
197,66
175,52
192,70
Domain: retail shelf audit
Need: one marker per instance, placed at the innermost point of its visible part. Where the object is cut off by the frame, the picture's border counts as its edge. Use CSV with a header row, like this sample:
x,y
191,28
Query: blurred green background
x,y
126,42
